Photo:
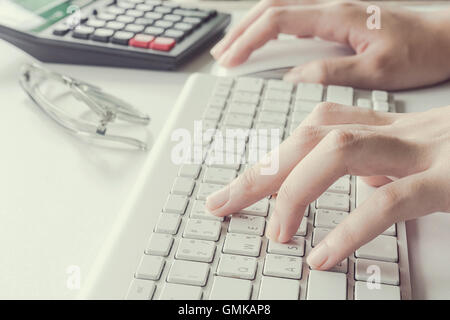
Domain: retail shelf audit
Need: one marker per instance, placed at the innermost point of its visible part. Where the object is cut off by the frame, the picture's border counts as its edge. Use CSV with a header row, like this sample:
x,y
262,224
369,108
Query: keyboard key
x,y
329,218
159,244
364,103
333,201
275,106
383,248
245,245
260,208
340,94
206,189
219,175
176,204
384,292
242,108
172,291
302,229
199,212
168,223
230,289
122,37
217,102
381,106
183,186
241,223
378,95
83,32
247,97
237,267
141,290
212,114
162,44
238,120
189,171
304,106
368,269
341,267
298,117
295,247
318,235
188,272
277,95
102,35
283,266
114,25
141,41
177,35
310,92
202,229
253,85
196,250
61,30
150,267
279,289
272,117
391,231
325,285
341,185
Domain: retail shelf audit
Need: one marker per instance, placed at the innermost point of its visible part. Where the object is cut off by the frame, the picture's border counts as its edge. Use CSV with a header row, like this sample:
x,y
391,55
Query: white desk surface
x,y
60,196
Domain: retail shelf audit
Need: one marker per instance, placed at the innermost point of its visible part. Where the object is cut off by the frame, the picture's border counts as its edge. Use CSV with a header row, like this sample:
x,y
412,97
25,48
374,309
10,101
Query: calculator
x,y
149,34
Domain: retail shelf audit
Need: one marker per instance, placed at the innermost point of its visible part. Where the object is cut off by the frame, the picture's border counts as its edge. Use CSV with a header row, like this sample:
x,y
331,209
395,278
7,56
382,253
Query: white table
x,y
60,196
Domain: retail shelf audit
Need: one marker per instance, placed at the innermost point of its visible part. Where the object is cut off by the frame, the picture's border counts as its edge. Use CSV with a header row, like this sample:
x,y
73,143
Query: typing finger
x,y
343,151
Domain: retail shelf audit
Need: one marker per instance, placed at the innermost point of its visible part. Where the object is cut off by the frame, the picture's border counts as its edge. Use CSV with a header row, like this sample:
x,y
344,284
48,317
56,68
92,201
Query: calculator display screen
x,y
37,15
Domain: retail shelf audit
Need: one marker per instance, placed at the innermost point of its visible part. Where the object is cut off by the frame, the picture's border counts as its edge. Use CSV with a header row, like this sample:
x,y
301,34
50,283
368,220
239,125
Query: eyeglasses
x,y
108,113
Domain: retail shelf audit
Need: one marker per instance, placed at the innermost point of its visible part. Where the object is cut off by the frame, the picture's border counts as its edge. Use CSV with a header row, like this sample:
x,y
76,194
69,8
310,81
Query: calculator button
x,y
154,31
163,24
144,7
192,20
172,17
153,15
115,25
136,28
177,35
102,35
125,5
144,21
171,5
135,13
61,30
125,19
186,27
163,9
106,16
153,2
82,32
122,37
162,44
141,41
95,23
115,10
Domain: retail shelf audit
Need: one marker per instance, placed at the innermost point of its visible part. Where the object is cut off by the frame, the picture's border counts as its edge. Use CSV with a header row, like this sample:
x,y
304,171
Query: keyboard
x,y
166,246
149,34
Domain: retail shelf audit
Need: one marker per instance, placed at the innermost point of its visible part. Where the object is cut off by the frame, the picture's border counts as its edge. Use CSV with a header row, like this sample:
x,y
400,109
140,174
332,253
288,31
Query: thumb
x,y
347,71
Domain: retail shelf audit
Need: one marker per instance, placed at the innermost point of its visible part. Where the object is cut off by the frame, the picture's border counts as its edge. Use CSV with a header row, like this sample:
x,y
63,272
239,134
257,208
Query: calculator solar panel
x,y
150,34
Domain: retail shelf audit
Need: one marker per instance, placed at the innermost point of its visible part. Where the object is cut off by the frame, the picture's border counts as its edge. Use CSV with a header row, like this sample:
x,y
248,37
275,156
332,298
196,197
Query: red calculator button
x,y
141,41
162,44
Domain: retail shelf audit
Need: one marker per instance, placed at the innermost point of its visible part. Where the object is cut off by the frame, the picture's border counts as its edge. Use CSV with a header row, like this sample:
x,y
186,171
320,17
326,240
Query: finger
x,y
345,71
248,20
254,183
376,181
341,152
389,204
252,186
298,20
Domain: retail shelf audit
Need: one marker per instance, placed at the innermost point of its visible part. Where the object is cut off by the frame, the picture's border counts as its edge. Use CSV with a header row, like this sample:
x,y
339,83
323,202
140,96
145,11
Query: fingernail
x,y
215,50
318,256
216,200
273,228
224,60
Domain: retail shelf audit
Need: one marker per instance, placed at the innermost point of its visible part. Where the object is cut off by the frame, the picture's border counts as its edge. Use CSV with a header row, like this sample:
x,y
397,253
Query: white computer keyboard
x,y
176,250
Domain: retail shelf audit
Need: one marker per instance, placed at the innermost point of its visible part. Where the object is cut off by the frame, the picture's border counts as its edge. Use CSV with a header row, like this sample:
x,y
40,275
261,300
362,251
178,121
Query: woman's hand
x,y
413,150
410,50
